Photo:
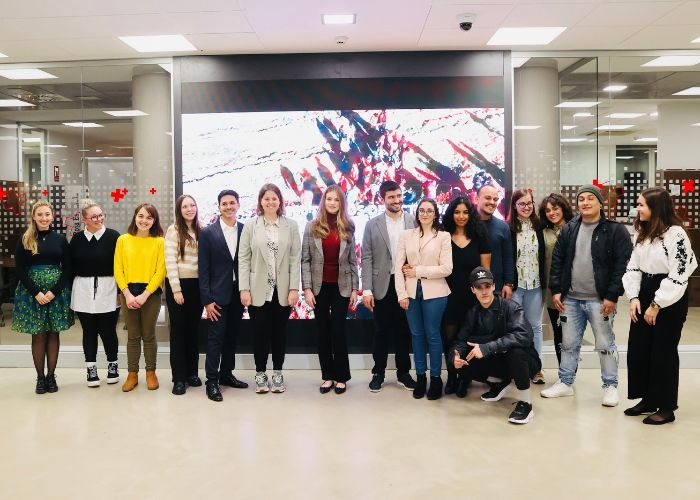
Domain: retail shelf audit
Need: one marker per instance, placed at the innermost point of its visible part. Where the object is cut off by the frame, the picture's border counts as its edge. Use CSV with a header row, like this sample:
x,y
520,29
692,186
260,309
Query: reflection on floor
x,y
102,443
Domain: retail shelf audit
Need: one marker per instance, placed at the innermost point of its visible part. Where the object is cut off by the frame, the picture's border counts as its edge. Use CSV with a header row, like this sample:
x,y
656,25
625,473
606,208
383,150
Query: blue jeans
x,y
424,319
531,302
573,322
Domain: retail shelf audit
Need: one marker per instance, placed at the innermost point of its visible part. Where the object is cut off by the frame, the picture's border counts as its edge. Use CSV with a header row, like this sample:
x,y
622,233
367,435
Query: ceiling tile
x,y
487,15
547,14
624,14
226,42
663,37
594,37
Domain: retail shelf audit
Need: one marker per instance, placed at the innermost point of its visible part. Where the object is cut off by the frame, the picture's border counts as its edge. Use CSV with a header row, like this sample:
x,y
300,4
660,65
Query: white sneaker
x,y
610,396
278,382
558,390
261,383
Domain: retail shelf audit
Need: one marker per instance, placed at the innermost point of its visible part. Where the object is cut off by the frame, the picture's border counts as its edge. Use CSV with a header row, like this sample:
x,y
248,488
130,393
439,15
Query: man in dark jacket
x,y
496,341
588,262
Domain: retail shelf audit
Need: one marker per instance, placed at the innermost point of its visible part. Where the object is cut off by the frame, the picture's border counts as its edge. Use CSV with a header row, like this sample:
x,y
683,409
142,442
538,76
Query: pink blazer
x,y
433,262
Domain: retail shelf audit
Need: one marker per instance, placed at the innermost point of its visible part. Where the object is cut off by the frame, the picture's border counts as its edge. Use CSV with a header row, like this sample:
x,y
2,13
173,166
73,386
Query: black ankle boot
x,y
421,382
40,385
51,384
435,391
451,384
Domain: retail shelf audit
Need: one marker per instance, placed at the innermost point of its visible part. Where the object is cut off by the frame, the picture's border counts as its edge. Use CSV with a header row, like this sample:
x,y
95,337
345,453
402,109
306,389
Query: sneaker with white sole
x,y
497,391
277,381
558,390
112,372
261,383
92,379
522,413
610,396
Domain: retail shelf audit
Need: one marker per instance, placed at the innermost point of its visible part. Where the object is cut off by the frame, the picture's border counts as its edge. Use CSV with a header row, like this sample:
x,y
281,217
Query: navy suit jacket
x,y
216,266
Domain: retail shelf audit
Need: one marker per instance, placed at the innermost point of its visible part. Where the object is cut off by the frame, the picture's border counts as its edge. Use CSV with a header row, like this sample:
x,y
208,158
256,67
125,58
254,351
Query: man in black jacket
x,y
588,262
496,341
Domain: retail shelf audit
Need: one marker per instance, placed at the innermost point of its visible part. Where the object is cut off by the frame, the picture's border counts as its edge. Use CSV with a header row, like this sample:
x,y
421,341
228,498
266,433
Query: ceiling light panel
x,y
158,43
525,36
672,61
646,139
14,103
689,91
526,127
126,112
574,139
568,127
583,115
615,88
26,74
577,104
339,19
82,124
3,55
614,127
625,116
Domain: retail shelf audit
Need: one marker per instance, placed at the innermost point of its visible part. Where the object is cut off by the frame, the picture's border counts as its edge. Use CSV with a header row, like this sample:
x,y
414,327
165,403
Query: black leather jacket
x,y
611,248
497,329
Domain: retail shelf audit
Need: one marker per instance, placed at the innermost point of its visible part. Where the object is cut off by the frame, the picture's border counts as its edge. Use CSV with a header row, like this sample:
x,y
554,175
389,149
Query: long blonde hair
x,y
29,238
346,227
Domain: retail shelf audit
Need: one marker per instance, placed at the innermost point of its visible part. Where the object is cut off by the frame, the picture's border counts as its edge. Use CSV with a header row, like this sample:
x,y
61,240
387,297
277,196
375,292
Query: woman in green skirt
x,y
42,298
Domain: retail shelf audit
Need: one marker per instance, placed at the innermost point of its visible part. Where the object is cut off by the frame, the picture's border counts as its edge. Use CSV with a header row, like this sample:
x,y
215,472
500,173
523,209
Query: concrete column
x,y
536,151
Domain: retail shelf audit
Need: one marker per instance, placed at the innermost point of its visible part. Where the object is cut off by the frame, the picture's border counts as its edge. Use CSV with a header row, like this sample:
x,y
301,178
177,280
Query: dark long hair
x,y
156,229
475,228
513,220
183,235
436,221
556,200
663,215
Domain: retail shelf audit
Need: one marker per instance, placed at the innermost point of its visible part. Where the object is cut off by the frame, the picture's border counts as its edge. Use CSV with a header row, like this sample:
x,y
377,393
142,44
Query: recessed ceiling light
x,y
339,19
625,116
573,139
31,139
614,88
158,43
126,112
577,104
516,62
646,139
673,61
614,127
3,55
526,127
696,124
82,124
525,36
654,114
14,103
56,146
84,150
26,74
624,157
697,40
689,91
583,115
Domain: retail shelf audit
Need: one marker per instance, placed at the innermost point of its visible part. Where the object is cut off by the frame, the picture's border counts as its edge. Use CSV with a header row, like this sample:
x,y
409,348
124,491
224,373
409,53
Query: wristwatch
x,y
654,305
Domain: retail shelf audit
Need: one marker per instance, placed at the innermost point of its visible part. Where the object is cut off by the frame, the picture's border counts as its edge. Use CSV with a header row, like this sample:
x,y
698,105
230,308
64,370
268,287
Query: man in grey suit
x,y
379,246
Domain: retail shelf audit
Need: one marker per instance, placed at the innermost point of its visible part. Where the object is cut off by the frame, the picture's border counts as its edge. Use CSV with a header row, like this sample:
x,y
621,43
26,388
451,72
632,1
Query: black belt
x,y
653,276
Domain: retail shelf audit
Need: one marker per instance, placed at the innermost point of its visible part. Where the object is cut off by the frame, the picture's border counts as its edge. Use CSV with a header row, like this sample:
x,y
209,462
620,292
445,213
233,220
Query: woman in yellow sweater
x,y
139,268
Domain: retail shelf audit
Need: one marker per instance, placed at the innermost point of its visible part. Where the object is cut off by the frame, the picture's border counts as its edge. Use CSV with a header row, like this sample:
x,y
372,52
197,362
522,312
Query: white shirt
x,y
394,228
84,297
670,254
231,237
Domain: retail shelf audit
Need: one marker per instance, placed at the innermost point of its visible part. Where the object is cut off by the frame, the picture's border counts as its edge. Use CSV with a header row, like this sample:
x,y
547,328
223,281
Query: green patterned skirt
x,y
31,317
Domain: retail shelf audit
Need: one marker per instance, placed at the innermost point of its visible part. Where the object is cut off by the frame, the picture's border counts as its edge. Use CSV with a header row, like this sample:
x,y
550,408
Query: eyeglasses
x,y
523,204
97,217
426,211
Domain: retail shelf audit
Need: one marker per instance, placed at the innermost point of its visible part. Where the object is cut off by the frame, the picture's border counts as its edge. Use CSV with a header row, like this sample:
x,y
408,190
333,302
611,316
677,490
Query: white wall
x,y
679,142
8,154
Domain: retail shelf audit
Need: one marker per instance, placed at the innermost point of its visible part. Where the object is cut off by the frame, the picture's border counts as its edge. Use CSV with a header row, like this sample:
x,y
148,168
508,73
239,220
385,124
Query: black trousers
x,y
221,339
184,329
391,325
331,311
556,327
518,364
270,325
652,351
104,325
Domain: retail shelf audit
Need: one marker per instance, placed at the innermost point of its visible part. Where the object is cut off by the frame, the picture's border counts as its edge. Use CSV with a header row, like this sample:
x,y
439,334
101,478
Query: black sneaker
x,y
406,381
376,384
40,385
522,414
112,372
496,392
92,379
51,385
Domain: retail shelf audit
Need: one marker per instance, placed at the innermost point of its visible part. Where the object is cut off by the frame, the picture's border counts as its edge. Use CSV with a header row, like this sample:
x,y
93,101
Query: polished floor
x,y
104,444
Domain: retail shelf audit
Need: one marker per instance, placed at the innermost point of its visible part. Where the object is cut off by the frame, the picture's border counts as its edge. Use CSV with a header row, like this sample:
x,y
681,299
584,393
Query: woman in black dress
x,y
470,249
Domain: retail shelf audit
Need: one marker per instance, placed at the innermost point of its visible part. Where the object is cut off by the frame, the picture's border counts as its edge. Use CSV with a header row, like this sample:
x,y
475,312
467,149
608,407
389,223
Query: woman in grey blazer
x,y
330,281
268,264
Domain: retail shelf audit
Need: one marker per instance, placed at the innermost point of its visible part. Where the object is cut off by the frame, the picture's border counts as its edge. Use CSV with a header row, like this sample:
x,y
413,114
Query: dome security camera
x,y
466,21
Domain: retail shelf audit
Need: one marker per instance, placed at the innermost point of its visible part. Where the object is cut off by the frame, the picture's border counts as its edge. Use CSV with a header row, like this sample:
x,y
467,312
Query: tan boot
x,y
132,380
151,380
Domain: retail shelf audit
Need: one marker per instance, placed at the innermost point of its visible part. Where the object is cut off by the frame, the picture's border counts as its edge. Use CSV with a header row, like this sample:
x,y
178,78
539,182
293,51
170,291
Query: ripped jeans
x,y
573,322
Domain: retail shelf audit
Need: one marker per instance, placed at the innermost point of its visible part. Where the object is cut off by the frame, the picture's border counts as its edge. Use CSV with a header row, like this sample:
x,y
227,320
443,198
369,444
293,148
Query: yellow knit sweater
x,y
139,260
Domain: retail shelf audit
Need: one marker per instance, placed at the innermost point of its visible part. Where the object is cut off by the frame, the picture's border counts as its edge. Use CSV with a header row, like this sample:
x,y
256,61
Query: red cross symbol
x,y
125,191
117,195
688,186
45,192
598,184
3,193
153,190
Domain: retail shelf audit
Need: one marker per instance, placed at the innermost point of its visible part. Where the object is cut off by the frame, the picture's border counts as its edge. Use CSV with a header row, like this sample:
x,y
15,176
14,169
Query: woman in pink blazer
x,y
423,261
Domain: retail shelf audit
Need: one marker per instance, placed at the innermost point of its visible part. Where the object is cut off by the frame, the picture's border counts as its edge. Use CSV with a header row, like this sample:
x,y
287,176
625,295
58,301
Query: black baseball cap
x,y
480,275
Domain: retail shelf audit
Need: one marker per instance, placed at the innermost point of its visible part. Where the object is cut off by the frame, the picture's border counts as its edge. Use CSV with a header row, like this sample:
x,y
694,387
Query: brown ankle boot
x,y
151,380
132,380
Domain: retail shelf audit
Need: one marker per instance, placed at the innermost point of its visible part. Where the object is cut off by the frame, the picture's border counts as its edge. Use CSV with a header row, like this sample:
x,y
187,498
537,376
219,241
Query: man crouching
x,y
495,343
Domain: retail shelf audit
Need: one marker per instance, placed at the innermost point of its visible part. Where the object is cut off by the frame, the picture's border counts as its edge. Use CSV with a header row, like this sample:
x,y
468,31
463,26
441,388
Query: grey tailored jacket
x,y
376,255
312,264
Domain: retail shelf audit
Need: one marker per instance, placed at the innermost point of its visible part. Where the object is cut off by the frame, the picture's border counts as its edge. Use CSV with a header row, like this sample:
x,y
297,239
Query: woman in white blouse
x,y
656,284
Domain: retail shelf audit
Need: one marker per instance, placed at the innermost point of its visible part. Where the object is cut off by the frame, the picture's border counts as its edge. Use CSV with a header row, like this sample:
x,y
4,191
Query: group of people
x,y
468,288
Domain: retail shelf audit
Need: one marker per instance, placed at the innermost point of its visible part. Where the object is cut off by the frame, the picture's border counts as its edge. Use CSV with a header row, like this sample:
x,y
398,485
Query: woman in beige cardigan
x,y
423,261
269,265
